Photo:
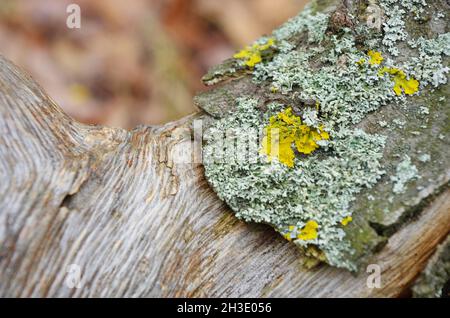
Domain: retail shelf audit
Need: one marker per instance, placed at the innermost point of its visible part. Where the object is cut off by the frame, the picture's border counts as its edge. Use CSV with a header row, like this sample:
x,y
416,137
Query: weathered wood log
x,y
131,214
138,224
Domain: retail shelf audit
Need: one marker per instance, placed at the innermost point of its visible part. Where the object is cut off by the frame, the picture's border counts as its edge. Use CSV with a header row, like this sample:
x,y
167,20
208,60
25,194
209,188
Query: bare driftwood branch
x,y
131,213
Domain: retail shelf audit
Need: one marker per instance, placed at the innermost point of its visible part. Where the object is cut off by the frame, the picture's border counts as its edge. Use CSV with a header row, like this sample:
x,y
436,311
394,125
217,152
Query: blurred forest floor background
x,y
132,62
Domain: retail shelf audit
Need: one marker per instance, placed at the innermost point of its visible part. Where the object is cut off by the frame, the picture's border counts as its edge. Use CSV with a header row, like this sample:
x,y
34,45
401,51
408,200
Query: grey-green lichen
x,y
394,26
405,172
427,67
306,21
436,275
346,83
320,187
424,157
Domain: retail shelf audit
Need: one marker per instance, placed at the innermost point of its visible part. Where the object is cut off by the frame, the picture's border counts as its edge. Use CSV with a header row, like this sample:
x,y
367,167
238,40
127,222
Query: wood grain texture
x,y
139,222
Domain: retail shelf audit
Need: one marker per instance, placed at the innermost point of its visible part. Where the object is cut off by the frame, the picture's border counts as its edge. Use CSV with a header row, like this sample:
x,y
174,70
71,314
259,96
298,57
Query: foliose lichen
x,y
405,172
394,26
436,275
307,195
319,187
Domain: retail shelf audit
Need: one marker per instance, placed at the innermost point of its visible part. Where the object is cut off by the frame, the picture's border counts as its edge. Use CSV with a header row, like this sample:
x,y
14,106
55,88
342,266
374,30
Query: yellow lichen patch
x,y
285,129
309,231
361,62
346,220
252,54
313,256
401,83
306,141
375,57
287,236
